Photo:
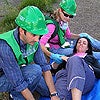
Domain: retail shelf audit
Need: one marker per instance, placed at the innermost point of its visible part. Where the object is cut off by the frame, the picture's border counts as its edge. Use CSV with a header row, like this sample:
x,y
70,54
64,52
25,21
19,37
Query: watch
x,y
54,94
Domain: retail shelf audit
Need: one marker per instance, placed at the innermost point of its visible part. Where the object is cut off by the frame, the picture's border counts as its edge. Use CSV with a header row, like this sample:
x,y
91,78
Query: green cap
x,y
32,20
69,6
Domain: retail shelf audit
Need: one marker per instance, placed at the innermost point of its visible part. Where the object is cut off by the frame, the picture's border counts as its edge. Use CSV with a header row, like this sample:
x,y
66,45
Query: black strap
x,y
56,28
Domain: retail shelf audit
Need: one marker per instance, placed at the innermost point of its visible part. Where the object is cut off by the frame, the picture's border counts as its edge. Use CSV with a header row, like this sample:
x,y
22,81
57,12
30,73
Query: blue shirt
x,y
10,66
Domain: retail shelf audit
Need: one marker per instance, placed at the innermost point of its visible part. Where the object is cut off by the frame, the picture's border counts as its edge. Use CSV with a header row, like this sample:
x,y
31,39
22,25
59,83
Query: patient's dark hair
x,y
89,51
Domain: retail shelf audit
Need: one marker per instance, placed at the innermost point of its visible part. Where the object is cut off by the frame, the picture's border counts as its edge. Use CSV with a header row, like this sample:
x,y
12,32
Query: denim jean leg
x,y
61,85
42,88
32,74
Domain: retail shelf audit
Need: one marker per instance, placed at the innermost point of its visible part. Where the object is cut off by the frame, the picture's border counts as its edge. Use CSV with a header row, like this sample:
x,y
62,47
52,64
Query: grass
x,y
9,12
4,96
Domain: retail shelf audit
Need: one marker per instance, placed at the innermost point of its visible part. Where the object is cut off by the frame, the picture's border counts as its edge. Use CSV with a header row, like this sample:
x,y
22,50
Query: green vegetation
x,y
10,12
45,5
4,96
7,21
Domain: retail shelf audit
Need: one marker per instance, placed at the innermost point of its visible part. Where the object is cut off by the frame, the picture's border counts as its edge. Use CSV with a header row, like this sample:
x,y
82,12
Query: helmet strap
x,y
24,31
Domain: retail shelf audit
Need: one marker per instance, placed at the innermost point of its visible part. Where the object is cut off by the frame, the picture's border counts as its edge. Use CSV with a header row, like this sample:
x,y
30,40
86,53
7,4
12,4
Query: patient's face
x,y
82,45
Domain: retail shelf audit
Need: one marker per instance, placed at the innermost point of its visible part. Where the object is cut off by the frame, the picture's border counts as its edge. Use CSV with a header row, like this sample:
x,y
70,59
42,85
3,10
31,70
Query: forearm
x,y
45,50
74,36
49,81
27,94
44,39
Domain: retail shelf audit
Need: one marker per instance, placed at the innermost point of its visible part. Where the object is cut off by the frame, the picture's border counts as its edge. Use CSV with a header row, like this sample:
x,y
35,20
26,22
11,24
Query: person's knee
x,y
74,62
74,59
33,74
35,69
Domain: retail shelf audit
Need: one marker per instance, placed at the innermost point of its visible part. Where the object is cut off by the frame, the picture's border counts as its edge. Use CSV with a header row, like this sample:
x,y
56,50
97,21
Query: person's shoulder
x,y
3,44
91,59
90,56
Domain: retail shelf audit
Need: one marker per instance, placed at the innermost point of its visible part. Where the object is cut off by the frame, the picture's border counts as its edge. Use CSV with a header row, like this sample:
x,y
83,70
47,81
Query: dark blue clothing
x,y
76,75
11,68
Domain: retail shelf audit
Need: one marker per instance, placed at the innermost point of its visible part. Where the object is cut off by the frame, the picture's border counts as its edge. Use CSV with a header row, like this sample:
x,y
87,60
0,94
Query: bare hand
x,y
55,98
64,58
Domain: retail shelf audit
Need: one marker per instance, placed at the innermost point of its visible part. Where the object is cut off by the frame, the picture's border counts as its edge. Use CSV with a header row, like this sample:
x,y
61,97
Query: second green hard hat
x,y
69,6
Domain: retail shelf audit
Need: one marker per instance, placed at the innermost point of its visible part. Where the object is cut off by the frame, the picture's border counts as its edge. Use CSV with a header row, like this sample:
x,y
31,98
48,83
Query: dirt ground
x,y
87,18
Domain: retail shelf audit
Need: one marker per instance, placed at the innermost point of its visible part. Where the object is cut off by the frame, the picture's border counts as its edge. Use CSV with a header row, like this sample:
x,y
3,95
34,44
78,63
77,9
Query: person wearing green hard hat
x,y
23,67
59,31
32,20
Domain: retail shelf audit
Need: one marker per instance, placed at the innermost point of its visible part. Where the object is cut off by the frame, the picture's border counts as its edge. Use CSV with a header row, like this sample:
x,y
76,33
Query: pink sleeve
x,y
68,33
44,39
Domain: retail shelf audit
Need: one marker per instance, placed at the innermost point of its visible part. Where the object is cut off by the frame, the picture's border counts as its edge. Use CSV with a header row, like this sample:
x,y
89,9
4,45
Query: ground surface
x,y
87,18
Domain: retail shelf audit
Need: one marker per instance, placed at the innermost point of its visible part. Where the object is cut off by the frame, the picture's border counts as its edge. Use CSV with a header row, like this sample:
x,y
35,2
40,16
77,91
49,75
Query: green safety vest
x,y
9,38
58,30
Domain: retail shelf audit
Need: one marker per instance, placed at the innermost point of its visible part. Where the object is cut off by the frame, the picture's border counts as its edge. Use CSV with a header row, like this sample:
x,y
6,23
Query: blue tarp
x,y
93,95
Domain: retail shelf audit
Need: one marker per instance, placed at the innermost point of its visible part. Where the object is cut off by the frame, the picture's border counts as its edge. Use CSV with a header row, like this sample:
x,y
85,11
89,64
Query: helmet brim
x,y
39,32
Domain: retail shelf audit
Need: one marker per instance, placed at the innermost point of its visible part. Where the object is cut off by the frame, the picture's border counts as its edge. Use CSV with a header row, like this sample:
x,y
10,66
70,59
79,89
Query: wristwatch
x,y
54,94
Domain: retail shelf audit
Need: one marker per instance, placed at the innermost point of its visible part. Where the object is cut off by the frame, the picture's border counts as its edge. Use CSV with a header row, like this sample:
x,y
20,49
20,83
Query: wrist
x,y
53,94
51,55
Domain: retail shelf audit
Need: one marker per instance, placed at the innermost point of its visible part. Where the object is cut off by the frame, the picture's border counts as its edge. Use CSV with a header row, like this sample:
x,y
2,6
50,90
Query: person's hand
x,y
55,98
65,45
65,58
56,58
84,35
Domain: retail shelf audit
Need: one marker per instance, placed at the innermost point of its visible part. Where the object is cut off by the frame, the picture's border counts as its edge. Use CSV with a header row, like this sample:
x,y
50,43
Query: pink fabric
x,y
68,33
44,39
81,54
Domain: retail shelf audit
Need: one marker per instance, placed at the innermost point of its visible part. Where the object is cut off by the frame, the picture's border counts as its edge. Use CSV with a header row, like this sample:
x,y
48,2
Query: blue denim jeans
x,y
33,76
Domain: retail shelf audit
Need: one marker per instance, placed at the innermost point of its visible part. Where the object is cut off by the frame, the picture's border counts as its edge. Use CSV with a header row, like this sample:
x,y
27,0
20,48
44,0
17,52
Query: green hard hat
x,y
69,6
32,20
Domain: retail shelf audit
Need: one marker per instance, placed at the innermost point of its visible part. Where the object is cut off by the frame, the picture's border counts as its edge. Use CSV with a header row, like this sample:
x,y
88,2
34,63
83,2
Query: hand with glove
x,y
56,58
83,35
